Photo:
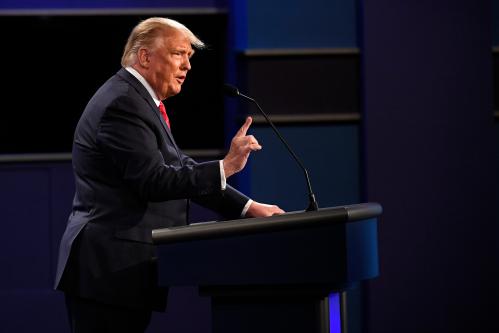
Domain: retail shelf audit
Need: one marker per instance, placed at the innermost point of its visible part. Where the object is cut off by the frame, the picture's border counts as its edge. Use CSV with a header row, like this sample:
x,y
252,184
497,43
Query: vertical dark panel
x,y
495,24
429,144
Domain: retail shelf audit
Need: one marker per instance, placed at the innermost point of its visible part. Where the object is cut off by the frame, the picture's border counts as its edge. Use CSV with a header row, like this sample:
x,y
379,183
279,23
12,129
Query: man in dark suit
x,y
131,178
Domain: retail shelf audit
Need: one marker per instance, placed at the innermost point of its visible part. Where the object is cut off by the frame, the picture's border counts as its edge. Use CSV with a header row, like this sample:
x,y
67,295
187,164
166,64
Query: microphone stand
x,y
312,202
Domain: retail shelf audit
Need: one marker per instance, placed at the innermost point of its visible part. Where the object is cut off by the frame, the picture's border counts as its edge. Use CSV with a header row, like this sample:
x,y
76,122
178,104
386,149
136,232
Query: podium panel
x,y
276,273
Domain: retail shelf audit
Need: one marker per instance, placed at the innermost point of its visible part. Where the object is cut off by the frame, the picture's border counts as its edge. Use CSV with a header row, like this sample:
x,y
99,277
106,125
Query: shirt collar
x,y
144,82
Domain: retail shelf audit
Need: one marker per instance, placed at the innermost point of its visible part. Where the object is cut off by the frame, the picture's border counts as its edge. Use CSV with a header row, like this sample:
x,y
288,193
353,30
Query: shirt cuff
x,y
246,207
222,176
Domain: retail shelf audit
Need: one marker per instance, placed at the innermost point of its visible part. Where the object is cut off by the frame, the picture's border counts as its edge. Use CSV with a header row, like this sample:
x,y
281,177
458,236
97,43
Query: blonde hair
x,y
147,32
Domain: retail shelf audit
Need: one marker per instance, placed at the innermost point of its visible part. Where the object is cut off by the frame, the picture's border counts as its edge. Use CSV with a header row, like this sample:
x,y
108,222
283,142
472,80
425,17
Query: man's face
x,y
169,64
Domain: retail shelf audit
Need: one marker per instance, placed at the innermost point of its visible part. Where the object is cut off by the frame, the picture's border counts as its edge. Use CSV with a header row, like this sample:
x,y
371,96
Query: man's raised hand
x,y
240,148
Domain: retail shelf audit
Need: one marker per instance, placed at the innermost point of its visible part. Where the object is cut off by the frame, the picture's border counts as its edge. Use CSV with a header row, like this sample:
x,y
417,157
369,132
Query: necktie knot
x,y
162,110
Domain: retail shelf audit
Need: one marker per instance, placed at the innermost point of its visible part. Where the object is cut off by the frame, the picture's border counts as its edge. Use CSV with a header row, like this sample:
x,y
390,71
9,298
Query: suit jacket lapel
x,y
145,94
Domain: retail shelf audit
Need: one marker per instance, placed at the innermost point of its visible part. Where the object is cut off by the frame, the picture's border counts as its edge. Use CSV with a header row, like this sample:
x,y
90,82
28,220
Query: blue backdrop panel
x,y
30,205
25,236
75,4
295,23
33,310
329,152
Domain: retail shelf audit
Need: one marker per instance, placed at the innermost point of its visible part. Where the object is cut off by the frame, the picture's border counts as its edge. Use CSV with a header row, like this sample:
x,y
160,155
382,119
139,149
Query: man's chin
x,y
173,91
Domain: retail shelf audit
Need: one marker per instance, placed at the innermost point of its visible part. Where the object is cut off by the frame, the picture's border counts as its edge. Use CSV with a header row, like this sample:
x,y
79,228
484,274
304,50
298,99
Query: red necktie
x,y
162,110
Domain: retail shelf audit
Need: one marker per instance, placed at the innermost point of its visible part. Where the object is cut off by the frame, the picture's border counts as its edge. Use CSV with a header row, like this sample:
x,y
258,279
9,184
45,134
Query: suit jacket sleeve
x,y
129,140
229,203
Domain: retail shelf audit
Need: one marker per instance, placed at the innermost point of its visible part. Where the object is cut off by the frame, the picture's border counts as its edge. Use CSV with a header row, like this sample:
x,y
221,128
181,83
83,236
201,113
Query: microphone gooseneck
x,y
232,91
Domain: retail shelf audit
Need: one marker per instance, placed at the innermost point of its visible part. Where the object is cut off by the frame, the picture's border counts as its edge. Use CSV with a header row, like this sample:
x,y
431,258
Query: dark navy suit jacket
x,y
130,178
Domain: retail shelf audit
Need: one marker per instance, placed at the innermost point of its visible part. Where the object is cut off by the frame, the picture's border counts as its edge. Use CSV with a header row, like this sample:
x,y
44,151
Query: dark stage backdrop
x,y
429,159
52,65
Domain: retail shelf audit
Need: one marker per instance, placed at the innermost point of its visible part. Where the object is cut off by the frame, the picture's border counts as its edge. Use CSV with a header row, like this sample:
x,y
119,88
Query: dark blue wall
x,y
35,200
429,143
295,24
330,153
292,24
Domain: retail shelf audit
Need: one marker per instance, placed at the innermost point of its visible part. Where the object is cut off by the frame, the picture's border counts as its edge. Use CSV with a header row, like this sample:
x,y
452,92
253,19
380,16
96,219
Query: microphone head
x,y
230,90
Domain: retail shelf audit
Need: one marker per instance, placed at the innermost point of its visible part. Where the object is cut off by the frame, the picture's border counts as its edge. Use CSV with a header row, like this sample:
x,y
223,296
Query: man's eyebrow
x,y
183,50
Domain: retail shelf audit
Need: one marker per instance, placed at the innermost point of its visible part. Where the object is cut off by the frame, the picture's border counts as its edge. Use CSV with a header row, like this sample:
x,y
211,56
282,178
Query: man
x,y
132,178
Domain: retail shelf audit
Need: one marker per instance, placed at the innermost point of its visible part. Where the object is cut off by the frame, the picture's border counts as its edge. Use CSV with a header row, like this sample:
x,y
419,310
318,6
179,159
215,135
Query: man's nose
x,y
186,64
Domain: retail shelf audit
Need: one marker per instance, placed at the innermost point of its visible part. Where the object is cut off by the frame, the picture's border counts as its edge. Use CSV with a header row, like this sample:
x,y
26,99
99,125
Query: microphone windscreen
x,y
230,90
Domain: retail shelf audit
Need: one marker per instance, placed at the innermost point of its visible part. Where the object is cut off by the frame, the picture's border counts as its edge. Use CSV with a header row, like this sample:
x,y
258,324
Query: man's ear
x,y
143,57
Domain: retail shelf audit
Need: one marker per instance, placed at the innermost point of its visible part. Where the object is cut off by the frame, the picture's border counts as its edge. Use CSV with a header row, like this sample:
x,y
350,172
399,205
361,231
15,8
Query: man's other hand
x,y
257,209
240,148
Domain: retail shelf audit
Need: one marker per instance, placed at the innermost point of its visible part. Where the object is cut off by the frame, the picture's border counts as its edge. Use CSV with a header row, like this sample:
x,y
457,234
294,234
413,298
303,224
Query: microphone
x,y
232,91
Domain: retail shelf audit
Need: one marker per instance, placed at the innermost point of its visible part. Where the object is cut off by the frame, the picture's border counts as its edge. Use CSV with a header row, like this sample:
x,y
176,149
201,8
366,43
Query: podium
x,y
276,274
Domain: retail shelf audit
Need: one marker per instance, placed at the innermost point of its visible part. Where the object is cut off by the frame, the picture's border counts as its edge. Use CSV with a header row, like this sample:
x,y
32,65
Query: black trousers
x,y
89,316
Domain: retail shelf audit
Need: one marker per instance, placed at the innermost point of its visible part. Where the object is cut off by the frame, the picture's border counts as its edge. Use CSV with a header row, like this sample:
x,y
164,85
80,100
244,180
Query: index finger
x,y
242,131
